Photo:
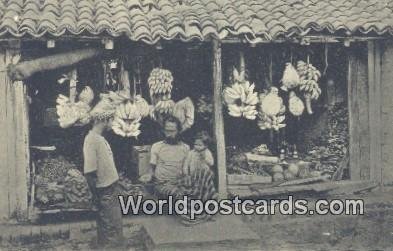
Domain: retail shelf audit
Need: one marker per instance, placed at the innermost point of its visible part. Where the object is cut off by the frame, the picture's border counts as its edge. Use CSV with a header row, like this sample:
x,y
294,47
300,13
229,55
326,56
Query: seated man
x,y
167,161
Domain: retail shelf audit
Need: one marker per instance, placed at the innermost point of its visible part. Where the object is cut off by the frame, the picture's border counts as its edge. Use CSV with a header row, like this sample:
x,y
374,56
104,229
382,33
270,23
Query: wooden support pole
x,y
219,120
359,123
374,81
14,138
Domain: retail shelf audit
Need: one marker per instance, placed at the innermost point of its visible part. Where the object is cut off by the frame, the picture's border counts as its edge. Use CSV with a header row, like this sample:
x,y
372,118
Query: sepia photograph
x,y
233,125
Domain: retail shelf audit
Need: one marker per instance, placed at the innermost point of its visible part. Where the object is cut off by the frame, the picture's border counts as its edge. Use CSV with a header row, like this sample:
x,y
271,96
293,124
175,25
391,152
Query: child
x,y
200,157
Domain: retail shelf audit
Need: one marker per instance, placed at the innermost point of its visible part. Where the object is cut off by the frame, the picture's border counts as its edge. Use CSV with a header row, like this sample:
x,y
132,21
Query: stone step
x,y
224,233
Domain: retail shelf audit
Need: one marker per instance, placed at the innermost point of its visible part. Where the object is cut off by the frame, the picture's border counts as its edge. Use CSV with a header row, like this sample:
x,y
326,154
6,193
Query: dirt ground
x,y
372,231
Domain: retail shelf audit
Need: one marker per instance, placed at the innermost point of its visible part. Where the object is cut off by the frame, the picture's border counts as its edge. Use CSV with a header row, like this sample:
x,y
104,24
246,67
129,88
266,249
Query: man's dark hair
x,y
173,119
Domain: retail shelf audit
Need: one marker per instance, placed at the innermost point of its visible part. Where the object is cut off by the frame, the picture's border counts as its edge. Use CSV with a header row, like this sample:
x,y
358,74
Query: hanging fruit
x,y
86,95
74,114
296,106
272,109
272,104
126,121
142,105
240,97
309,77
290,79
160,81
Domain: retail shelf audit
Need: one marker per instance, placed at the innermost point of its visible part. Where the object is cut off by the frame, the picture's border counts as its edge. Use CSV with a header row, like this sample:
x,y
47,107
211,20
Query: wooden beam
x,y
387,112
353,119
359,124
219,120
374,81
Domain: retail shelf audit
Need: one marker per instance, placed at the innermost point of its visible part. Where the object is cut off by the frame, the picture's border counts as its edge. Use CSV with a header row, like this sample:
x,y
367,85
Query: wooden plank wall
x,y
14,141
387,112
358,98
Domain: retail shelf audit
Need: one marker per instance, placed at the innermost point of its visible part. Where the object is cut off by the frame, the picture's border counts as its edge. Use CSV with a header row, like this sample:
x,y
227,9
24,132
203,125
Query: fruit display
x,y
164,106
309,77
240,98
142,105
126,121
295,104
331,147
160,82
70,114
272,109
48,193
53,169
290,79
76,189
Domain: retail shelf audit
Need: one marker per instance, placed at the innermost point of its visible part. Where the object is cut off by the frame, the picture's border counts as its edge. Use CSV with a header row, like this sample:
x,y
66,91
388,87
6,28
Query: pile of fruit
x,y
48,193
329,149
54,169
238,164
76,189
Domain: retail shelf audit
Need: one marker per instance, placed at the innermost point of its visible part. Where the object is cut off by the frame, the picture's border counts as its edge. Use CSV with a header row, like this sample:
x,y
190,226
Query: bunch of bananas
x,y
86,95
142,105
164,106
309,77
241,100
160,81
272,111
127,118
70,114
270,122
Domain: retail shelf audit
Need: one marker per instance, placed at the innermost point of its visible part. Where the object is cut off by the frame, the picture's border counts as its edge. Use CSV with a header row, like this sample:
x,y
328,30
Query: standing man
x,y
102,177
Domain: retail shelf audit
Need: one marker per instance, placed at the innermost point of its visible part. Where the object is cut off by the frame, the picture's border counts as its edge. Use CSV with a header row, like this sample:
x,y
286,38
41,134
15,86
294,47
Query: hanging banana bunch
x,y
240,97
126,121
309,77
272,109
290,78
142,105
160,82
75,114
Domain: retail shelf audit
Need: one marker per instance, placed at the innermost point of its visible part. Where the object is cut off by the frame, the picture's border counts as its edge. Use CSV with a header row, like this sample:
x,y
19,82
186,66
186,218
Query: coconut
x,y
294,169
278,177
277,169
288,175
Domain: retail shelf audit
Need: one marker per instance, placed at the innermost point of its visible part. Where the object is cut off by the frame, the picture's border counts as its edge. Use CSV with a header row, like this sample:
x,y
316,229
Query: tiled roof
x,y
149,20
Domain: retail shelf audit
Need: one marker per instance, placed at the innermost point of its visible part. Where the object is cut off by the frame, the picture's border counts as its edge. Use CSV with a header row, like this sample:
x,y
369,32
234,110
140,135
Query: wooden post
x,y
219,120
14,138
374,81
387,112
359,124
